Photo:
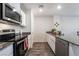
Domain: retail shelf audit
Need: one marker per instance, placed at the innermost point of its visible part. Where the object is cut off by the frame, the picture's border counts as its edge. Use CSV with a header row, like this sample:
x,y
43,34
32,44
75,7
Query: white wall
x,y
28,21
41,25
56,19
32,29
70,26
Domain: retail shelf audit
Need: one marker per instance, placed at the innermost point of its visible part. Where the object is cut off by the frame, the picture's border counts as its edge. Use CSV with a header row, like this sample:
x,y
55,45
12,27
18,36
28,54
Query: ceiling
x,y
50,9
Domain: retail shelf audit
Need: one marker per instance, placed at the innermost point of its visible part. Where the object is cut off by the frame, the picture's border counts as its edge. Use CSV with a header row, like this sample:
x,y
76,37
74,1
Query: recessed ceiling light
x,y
41,8
59,7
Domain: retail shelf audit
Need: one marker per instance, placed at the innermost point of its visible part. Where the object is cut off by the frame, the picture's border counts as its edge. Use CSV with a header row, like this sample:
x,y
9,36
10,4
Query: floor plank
x,y
40,49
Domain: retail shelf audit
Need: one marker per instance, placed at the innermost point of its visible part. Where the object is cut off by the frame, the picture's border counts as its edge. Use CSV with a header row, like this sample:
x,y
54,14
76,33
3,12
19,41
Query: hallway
x,y
40,49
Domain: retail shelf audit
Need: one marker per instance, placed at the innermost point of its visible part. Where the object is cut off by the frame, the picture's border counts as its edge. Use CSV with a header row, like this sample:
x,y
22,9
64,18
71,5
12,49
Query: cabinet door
x,y
48,40
8,51
23,18
16,6
62,47
51,42
73,50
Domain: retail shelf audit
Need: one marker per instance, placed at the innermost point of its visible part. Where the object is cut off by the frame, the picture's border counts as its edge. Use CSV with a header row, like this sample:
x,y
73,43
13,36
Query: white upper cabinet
x,y
23,18
16,6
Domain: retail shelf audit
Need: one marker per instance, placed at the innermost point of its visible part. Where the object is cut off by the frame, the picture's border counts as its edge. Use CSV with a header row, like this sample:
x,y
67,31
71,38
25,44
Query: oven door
x,y
7,37
20,48
10,15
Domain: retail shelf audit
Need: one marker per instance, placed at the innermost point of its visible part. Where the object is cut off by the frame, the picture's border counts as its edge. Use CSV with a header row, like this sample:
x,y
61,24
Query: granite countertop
x,y
25,34
22,36
63,38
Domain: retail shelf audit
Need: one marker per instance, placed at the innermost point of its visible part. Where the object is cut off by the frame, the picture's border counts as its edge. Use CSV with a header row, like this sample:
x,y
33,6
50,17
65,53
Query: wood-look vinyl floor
x,y
40,49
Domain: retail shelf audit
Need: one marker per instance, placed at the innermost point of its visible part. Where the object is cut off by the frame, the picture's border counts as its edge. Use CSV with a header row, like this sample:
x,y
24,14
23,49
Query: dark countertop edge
x,y
61,38
26,33
22,38
6,45
67,41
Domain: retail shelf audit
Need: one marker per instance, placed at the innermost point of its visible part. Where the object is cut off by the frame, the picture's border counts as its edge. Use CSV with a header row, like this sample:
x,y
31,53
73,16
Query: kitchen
x,y
52,27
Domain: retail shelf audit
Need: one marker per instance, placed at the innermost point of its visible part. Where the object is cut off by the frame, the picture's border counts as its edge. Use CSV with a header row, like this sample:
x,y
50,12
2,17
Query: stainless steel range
x,y
9,35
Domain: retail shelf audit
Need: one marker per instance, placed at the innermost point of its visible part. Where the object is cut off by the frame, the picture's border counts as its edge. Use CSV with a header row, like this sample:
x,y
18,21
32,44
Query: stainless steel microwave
x,y
7,13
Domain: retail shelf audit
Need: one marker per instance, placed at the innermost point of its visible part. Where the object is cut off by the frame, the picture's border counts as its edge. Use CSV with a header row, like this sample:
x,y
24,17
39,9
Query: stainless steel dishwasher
x,y
62,47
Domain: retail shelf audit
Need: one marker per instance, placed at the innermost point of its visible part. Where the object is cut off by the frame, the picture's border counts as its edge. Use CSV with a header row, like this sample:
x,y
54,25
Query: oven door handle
x,y
20,41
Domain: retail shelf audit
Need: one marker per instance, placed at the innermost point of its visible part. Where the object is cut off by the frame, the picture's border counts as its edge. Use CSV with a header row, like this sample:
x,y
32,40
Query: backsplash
x,y
16,27
70,27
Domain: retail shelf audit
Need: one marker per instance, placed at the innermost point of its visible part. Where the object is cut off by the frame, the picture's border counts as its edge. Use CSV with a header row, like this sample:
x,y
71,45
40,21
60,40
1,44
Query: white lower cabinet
x,y
7,51
51,42
73,50
29,42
